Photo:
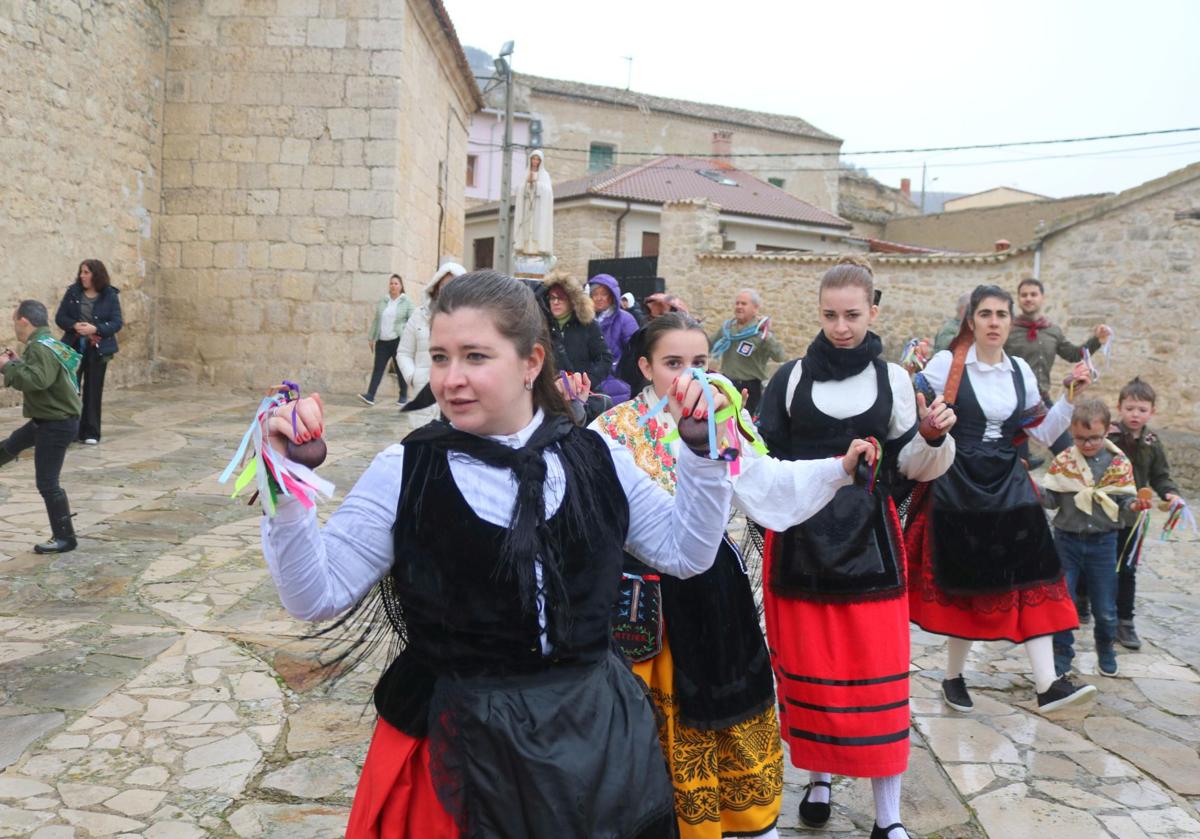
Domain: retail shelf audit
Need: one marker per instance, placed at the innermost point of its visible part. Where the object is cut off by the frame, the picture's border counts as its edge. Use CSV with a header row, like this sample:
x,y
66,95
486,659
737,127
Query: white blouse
x,y
321,572
792,490
852,396
993,386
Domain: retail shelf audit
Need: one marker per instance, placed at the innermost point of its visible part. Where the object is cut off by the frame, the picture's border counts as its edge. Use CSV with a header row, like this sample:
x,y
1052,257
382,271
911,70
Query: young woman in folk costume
x,y
982,563
496,538
836,614
707,666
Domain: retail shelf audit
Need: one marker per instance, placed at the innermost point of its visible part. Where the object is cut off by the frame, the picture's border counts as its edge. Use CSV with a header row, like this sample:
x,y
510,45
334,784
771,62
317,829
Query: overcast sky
x,y
887,75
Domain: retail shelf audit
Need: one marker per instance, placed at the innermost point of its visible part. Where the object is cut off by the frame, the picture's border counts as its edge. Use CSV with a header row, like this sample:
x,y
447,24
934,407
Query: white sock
x,y
1041,657
956,659
887,804
816,794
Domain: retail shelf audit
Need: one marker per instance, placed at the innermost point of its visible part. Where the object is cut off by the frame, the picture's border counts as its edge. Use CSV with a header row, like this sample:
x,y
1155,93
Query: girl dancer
x,y
837,618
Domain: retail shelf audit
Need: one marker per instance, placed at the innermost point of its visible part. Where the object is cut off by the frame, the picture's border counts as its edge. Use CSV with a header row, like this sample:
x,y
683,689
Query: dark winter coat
x,y
579,345
106,316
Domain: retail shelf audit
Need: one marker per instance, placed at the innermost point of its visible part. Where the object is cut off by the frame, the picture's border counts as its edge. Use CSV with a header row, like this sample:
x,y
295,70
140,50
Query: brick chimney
x,y
1002,245
906,187
722,146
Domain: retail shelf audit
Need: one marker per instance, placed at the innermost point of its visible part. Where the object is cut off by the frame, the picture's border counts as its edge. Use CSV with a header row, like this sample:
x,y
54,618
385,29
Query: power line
x,y
923,150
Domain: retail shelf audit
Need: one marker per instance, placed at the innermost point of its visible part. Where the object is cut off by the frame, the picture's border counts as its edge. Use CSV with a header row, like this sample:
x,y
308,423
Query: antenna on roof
x,y
629,72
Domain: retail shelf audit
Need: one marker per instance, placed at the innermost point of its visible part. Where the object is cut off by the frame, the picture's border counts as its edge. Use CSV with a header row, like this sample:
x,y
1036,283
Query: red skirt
x,y
395,797
841,674
1015,616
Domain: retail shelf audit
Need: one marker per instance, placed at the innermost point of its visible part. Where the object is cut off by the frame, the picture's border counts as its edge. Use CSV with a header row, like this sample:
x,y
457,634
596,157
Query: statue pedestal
x,y
526,267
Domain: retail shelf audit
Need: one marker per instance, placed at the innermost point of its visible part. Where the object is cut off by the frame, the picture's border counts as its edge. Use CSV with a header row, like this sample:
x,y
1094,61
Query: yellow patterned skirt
x,y
727,781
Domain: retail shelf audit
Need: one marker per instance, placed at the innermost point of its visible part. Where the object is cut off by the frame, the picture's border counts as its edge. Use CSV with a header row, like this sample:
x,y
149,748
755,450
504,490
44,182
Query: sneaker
x,y
1127,636
402,401
1107,660
1062,693
369,400
954,694
90,441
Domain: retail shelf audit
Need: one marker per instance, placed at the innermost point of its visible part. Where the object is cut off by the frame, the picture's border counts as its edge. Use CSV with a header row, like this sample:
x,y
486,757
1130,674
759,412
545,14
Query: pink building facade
x,y
484,155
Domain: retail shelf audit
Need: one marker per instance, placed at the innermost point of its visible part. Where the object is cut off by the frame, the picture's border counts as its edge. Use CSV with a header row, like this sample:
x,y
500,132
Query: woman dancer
x,y
982,564
837,618
506,714
707,667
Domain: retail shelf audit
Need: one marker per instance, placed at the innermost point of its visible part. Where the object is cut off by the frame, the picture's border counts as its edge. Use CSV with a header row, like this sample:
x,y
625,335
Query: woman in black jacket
x,y
575,335
90,317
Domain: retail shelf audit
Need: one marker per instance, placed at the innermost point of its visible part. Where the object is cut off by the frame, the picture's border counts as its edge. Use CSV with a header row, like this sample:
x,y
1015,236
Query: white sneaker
x,y
90,441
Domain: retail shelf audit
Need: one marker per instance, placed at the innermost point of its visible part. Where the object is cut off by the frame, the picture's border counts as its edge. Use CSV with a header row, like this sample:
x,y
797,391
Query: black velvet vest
x,y
462,617
989,530
846,552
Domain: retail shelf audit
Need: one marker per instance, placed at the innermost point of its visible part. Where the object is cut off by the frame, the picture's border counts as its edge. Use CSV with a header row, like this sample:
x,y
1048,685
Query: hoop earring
x,y
528,385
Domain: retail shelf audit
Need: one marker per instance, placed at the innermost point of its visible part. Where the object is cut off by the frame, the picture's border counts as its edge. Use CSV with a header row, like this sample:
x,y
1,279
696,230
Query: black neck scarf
x,y
824,361
528,537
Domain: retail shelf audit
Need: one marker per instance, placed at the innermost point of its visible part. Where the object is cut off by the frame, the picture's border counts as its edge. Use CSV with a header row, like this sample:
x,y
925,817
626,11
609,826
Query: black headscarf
x,y
824,361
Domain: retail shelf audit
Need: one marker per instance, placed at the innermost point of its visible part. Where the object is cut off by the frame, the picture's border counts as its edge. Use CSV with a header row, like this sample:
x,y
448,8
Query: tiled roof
x,y
697,110
666,179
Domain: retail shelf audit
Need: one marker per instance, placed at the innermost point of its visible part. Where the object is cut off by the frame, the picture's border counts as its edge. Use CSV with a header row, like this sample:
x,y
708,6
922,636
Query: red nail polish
x,y
687,412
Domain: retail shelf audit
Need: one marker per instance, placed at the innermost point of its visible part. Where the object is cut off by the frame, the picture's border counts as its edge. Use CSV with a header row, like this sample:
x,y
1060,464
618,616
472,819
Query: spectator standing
x,y
744,345
391,316
90,317
1036,340
46,373
617,326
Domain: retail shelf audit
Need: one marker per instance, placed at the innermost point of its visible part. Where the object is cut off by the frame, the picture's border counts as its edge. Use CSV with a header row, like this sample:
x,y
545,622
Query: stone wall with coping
x,y
81,87
311,148
1134,267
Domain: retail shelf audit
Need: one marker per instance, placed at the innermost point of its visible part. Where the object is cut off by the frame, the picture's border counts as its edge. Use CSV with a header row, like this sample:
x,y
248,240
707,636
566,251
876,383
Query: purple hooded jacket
x,y
617,326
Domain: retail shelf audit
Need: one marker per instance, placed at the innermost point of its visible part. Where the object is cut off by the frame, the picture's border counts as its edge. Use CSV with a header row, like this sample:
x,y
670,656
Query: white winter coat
x,y
412,354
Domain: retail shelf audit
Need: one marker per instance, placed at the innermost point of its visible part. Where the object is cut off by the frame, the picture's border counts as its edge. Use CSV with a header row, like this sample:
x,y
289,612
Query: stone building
x,y
1131,260
618,213
250,170
979,228
869,205
587,128
993,197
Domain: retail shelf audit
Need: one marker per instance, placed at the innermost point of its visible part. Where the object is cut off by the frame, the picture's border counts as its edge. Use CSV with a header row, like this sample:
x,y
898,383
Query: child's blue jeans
x,y
1094,558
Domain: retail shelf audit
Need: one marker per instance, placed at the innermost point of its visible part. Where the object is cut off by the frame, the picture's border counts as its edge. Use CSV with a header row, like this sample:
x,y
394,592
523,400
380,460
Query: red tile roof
x,y
666,179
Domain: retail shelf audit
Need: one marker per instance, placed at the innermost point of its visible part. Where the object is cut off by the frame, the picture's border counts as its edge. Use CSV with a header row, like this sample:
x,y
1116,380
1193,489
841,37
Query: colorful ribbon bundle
x,y
1137,537
271,472
913,359
724,426
1178,513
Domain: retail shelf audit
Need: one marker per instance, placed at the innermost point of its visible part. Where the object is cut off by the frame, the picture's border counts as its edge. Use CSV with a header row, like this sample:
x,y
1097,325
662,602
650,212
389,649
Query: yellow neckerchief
x,y
1070,473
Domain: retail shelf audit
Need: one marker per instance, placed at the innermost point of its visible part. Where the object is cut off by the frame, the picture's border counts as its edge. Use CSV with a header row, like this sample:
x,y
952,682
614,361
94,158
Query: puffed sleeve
x,y
1057,419
679,535
779,494
322,571
918,460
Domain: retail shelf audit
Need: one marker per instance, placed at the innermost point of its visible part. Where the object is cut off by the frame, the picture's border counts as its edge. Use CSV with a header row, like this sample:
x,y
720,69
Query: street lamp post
x,y
504,237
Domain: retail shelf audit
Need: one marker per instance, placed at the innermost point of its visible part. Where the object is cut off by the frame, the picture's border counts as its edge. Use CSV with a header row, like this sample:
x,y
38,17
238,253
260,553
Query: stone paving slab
x,y
151,684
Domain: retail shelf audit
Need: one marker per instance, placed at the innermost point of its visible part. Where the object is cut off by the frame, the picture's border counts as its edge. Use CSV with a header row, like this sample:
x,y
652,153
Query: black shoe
x,y
1127,636
1062,693
370,400
812,813
878,832
954,694
58,508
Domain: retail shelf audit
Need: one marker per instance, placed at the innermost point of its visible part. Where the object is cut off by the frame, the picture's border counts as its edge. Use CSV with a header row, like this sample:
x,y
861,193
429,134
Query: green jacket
x,y
946,334
404,309
49,392
1040,354
1149,458
748,359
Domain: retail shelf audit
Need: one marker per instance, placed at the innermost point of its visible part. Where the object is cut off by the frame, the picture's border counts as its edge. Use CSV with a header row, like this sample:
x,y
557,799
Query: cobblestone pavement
x,y
151,685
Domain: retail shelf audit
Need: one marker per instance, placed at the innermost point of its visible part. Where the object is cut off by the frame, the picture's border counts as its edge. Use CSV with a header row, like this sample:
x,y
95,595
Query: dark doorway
x,y
484,250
